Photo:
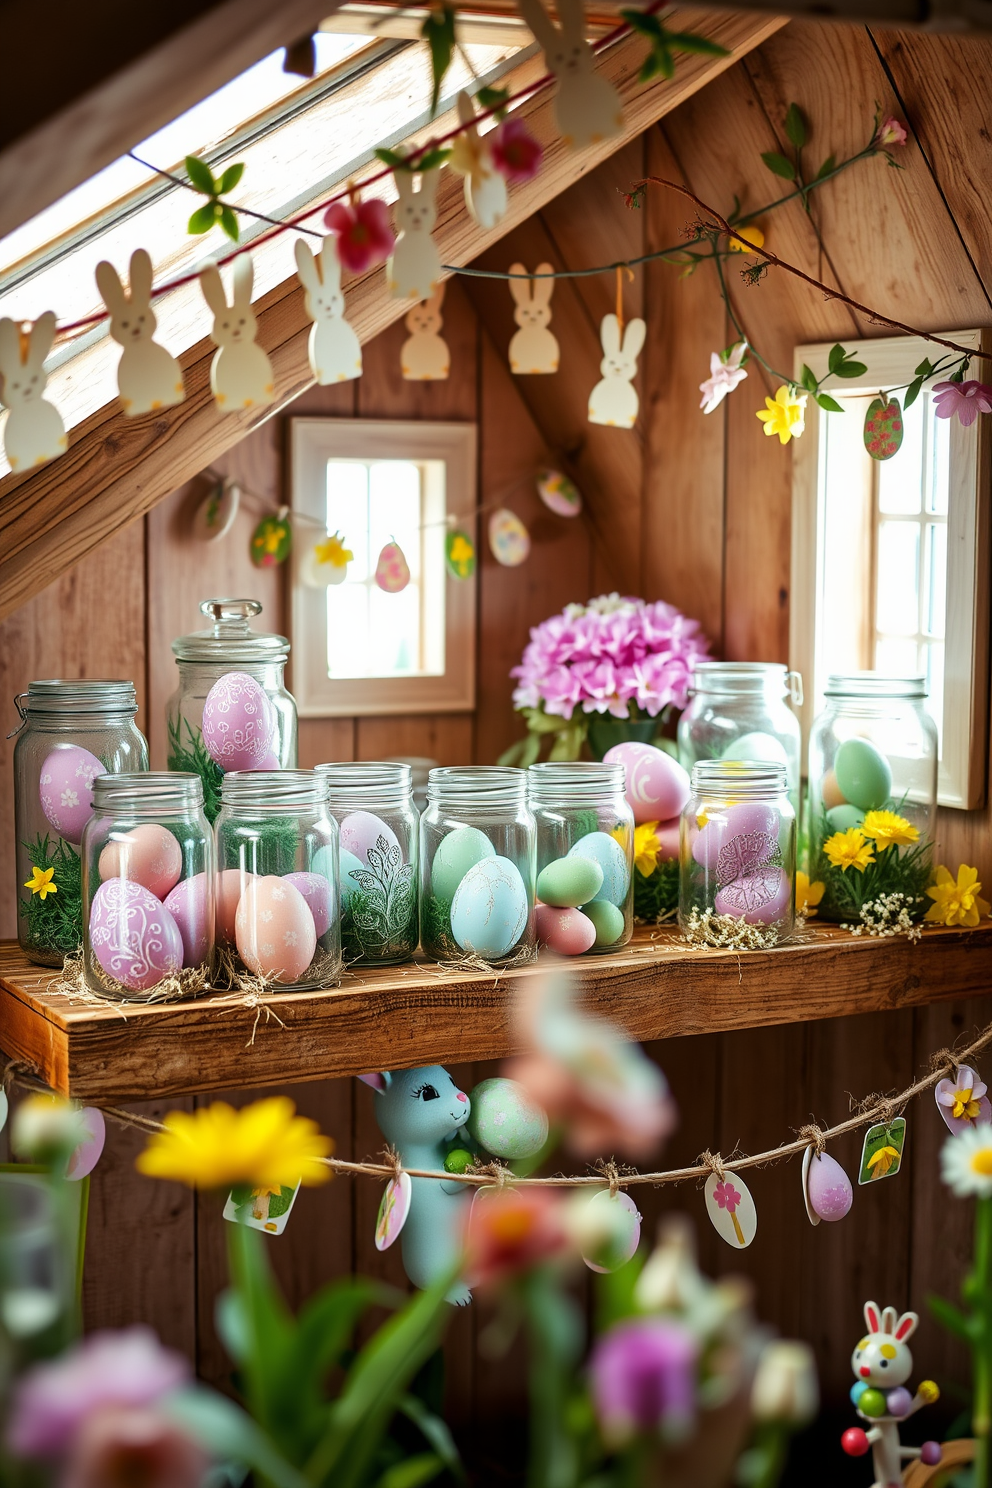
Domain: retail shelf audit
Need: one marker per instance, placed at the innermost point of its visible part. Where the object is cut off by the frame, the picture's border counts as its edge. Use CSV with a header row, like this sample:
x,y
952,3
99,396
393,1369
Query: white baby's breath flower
x,y
966,1162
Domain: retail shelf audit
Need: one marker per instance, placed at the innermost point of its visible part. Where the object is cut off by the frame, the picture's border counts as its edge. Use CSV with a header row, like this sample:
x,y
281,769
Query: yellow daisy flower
x,y
647,846
889,830
808,895
957,903
40,882
849,849
755,237
265,1144
784,415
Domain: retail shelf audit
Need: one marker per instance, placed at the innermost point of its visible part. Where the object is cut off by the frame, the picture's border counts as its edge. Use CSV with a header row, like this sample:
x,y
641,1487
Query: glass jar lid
x,y
368,782
145,792
230,638
741,678
556,783
874,685
77,695
259,791
728,778
477,786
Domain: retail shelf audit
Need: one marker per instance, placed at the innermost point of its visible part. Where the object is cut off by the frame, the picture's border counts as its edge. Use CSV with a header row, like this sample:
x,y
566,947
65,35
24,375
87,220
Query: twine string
x,y
712,1162
814,1136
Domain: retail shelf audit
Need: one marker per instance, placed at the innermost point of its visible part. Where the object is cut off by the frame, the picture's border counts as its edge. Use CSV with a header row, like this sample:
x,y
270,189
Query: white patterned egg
x,y
607,852
274,929
361,830
489,911
319,894
239,723
65,789
133,936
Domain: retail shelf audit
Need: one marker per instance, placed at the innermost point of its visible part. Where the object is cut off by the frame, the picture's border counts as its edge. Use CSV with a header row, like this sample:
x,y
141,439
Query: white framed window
x,y
356,648
890,557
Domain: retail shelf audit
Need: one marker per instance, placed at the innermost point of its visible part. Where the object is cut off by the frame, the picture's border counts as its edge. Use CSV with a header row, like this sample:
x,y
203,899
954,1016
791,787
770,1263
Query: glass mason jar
x,y
585,856
738,710
477,864
148,888
737,858
872,795
379,828
278,910
231,710
71,732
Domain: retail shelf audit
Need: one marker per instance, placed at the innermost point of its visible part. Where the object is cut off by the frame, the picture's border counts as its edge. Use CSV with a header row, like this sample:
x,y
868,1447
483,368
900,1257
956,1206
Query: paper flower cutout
x,y
515,152
362,229
963,1102
962,400
726,373
784,415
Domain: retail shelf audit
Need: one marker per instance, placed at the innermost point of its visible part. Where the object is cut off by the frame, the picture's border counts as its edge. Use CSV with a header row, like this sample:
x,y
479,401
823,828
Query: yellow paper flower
x,y
784,415
265,1144
808,895
849,849
40,882
461,551
647,846
957,903
889,830
334,552
754,236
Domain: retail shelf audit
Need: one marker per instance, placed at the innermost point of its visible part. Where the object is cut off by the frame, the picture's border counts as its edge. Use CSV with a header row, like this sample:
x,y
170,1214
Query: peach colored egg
x,y
667,834
567,931
148,855
274,929
229,887
830,791
657,787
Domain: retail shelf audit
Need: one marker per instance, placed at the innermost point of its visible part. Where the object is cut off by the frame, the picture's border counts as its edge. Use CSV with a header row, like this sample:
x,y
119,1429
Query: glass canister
x,y
379,828
148,888
278,911
477,865
71,732
872,795
739,710
231,710
737,855
585,856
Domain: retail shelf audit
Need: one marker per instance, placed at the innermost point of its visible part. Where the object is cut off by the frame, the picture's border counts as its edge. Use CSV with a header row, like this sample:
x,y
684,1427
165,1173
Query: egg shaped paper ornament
x,y
325,563
361,830
657,787
459,554
738,839
89,1151
274,929
829,1192
319,895
239,722
607,852
757,746
567,932
509,540
214,517
190,907
506,1121
229,885
489,910
133,936
614,1221
863,775
348,866
760,897
148,855
272,541
883,428
558,493
65,789
455,855
392,572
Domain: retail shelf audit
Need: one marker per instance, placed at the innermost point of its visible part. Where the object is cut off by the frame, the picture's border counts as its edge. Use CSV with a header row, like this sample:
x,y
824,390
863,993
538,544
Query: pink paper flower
x,y
134,1449
727,1196
362,229
726,373
890,132
964,1100
515,152
643,1374
965,400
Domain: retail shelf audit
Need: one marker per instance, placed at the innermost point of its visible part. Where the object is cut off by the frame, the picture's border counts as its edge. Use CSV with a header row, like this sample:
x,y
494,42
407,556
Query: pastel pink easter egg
x,y
147,855
228,888
667,834
238,722
762,896
829,1188
748,833
319,894
189,905
65,789
392,572
566,931
270,762
133,936
87,1154
274,929
361,830
657,786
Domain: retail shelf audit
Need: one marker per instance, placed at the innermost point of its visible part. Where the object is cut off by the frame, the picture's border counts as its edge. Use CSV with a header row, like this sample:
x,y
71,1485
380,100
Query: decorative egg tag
x,y
261,1208
214,517
325,563
881,1156
4,1109
88,1153
623,1235
392,572
558,493
393,1210
271,541
459,554
964,1100
731,1209
883,428
827,1189
509,539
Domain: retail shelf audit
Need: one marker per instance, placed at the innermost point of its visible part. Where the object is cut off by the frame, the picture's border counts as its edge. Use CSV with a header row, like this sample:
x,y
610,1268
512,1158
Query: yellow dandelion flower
x,y
647,846
40,882
784,415
754,236
957,903
808,895
333,551
849,849
889,830
265,1144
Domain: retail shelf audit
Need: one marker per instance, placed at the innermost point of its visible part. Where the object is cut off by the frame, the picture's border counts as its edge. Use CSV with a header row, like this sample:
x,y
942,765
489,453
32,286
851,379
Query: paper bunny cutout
x,y
587,107
148,376
533,348
425,356
413,269
485,188
614,399
334,349
241,374
34,431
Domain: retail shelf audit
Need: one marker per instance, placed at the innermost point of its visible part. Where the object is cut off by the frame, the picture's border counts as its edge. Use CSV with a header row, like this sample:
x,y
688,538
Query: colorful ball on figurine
x,y
899,1402
864,777
361,830
757,746
857,1390
566,931
621,1231
455,855
931,1453
506,1121
238,722
872,1403
147,854
607,920
133,936
657,787
855,1442
65,789
274,929
189,905
319,895
489,910
569,882
607,852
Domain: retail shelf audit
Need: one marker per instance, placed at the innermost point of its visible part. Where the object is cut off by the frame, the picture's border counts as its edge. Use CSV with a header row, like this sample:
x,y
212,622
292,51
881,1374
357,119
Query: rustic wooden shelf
x,y
420,1013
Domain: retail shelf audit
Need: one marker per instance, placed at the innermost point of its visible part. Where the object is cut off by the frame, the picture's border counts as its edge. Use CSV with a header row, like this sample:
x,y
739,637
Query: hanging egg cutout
x,y
392,572
272,540
459,554
326,563
509,540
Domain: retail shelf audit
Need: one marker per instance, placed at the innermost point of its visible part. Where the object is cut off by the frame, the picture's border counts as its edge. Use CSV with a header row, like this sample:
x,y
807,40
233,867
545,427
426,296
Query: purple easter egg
x,y
133,936
65,788
270,762
761,896
238,723
657,787
189,905
319,894
737,839
830,1191
361,830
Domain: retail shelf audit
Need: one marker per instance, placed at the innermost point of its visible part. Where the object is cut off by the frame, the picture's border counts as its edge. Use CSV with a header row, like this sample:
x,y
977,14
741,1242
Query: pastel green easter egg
x,y
863,775
458,1160
607,852
843,818
456,854
608,920
757,746
568,882
505,1121
872,1403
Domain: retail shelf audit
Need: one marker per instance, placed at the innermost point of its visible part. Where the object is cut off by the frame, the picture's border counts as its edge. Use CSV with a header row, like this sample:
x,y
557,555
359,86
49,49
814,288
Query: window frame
x,y
314,441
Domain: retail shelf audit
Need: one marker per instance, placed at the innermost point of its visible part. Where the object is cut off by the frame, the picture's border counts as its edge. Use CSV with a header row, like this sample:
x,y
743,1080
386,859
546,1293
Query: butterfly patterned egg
x,y
749,829
761,896
274,929
189,905
239,722
147,854
133,936
657,787
65,789
319,894
489,911
829,1188
607,852
361,830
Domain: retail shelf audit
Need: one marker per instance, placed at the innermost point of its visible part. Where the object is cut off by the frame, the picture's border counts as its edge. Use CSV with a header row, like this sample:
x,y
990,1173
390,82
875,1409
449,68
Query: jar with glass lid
x,y
585,855
739,710
872,795
379,827
477,865
231,710
278,914
70,732
737,857
148,888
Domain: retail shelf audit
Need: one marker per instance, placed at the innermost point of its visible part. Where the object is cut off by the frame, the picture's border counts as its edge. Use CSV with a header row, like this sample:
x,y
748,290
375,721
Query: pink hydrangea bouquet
x,y
612,658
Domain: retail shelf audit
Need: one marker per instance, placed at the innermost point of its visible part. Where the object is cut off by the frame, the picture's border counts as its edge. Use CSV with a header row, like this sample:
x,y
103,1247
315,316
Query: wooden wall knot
x,y
813,1136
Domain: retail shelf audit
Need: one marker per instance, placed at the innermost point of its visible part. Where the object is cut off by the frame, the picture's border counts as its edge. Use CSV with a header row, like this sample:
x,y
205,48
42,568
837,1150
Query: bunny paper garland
x,y
413,269
533,348
241,374
471,156
425,356
148,376
587,107
614,400
34,431
334,349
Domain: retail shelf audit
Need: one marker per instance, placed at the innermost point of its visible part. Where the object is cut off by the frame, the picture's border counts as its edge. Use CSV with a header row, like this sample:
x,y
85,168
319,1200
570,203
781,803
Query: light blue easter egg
x,y
607,852
456,854
489,910
864,777
757,746
323,862
843,818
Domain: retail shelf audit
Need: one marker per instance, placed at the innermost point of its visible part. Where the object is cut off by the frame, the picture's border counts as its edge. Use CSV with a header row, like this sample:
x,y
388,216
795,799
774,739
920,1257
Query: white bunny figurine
x,y
485,188
335,350
533,348
241,374
425,356
148,376
614,399
587,107
34,431
413,269
882,1363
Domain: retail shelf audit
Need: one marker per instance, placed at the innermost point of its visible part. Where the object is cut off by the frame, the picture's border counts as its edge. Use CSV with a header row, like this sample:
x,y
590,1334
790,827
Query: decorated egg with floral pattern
x,y
65,788
392,572
133,937
239,722
274,929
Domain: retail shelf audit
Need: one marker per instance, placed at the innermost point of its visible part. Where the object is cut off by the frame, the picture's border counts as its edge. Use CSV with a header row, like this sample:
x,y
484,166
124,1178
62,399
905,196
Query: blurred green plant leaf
x,y
201,176
795,126
438,31
779,165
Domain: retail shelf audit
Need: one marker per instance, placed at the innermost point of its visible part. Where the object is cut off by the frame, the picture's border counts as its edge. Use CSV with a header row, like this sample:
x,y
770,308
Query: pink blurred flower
x,y
726,373
643,1376
133,1449
516,154
891,132
362,229
510,1232
965,400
